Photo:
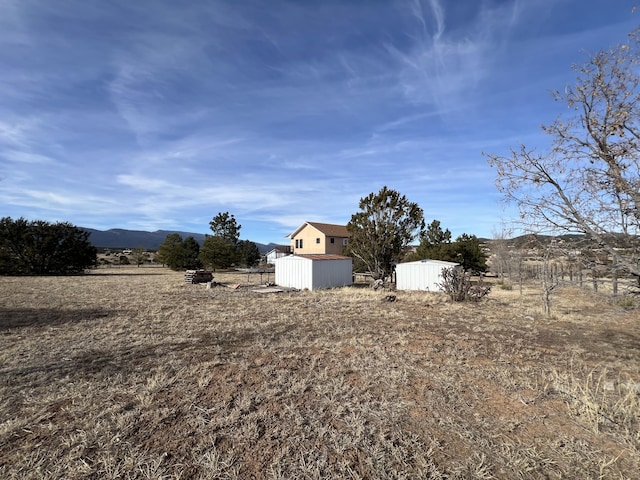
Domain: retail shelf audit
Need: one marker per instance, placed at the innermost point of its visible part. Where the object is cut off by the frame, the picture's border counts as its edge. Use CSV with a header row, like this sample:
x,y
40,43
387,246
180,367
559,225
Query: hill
x,y
121,238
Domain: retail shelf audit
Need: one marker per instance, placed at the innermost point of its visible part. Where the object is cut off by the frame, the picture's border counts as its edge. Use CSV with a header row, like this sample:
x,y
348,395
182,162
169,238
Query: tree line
x,y
221,250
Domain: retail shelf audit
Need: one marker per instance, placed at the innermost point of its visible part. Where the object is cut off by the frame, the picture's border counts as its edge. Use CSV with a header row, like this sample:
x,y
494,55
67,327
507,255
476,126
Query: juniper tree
x,y
380,232
42,248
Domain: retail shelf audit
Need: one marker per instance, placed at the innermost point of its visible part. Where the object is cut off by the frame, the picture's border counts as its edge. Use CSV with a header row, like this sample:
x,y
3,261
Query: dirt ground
x,y
132,373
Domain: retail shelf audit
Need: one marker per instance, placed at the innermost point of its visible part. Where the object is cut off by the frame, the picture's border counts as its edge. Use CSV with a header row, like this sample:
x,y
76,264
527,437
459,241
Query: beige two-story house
x,y
319,238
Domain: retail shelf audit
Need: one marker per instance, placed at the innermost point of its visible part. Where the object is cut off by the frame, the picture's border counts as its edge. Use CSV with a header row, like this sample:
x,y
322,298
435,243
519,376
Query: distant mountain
x,y
120,238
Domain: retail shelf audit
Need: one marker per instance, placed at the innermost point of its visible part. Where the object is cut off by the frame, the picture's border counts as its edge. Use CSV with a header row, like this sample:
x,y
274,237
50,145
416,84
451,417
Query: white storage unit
x,y
314,271
421,275
276,253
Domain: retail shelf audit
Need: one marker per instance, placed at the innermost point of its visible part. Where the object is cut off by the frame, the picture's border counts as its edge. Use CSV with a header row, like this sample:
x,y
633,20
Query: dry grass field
x,y
130,373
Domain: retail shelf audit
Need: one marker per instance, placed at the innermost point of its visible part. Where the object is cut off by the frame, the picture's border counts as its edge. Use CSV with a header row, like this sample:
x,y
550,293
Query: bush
x,y
42,248
457,284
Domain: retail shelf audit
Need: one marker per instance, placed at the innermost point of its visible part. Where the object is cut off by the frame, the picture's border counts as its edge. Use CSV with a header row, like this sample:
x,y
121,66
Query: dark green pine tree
x,y
248,253
191,254
220,250
170,252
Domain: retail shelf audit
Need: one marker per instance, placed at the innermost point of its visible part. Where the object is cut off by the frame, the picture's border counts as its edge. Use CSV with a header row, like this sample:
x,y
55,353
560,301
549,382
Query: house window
x,y
333,240
297,243
317,240
345,241
300,243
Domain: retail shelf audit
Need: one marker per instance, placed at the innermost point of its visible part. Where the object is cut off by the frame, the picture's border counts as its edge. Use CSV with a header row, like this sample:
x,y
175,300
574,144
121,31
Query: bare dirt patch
x,y
131,373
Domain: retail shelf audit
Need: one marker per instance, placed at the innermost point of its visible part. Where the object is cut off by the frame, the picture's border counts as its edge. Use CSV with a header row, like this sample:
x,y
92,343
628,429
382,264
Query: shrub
x,y
458,285
43,248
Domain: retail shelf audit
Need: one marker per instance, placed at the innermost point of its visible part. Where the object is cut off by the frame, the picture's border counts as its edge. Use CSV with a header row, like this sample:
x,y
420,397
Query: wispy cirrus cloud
x,y
444,65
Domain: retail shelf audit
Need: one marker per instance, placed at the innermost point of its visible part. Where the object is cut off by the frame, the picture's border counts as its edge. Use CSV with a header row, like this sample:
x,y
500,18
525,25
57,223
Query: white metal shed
x,y
314,271
421,275
276,253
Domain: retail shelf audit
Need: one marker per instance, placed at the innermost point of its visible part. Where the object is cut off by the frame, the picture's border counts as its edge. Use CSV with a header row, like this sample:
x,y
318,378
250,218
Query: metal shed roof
x,y
433,262
323,256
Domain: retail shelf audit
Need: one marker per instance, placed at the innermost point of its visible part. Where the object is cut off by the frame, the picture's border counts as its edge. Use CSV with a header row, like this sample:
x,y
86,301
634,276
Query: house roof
x,y
328,229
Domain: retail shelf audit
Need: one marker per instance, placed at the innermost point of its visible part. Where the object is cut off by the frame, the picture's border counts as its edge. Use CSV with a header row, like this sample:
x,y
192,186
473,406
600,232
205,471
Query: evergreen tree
x,y
217,252
170,252
190,254
43,248
248,253
469,254
14,238
221,250
384,227
436,244
225,226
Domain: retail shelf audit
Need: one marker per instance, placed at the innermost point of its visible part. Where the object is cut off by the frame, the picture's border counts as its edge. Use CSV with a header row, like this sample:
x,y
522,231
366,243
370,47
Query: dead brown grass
x,y
131,373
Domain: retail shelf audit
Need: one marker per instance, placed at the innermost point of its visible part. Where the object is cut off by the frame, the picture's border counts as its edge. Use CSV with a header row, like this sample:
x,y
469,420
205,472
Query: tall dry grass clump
x,y
131,373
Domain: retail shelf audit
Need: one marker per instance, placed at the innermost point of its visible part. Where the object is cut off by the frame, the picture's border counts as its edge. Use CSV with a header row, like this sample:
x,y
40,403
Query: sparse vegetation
x,y
180,381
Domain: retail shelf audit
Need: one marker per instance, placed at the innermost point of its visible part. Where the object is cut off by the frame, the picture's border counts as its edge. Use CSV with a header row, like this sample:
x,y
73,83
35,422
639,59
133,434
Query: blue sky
x,y
154,114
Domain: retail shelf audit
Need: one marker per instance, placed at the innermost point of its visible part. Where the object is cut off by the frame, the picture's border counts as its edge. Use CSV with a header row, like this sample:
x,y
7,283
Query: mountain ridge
x,y
123,238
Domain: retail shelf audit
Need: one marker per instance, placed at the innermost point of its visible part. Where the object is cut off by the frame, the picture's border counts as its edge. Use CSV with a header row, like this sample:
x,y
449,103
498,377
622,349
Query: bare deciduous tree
x,y
501,258
549,280
589,181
